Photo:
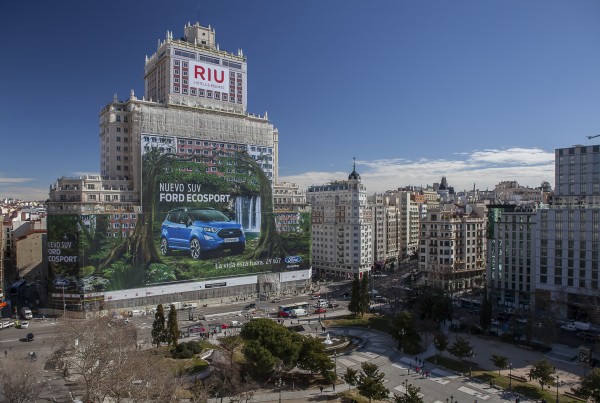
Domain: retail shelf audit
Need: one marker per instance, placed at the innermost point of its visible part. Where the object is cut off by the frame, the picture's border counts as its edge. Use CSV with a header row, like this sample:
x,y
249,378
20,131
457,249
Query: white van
x,y
135,313
189,305
298,312
235,323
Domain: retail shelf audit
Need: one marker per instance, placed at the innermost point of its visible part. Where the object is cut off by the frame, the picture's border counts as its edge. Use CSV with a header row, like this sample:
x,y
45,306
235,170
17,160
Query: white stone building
x,y
342,229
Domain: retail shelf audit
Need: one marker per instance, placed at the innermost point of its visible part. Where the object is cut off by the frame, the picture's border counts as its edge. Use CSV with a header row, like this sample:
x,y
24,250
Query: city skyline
x,y
477,92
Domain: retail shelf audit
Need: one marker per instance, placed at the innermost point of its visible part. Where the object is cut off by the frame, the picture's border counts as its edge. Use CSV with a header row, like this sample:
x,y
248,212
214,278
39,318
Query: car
x,y
199,231
320,310
275,300
24,325
333,305
250,306
283,314
222,325
29,337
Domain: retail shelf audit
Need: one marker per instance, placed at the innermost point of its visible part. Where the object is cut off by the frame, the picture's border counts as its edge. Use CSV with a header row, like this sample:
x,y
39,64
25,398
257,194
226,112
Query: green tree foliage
x,y
543,372
590,386
499,361
172,329
280,345
440,342
313,357
364,294
411,339
485,315
460,348
351,377
158,326
370,382
434,304
354,304
411,395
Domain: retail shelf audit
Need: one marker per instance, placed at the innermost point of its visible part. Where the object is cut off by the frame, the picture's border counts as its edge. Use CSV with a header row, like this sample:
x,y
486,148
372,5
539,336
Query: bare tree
x,y
101,356
18,381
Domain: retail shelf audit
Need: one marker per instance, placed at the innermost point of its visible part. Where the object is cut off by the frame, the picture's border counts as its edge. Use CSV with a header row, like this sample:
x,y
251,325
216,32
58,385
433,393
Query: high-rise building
x,y
195,106
568,237
511,254
342,230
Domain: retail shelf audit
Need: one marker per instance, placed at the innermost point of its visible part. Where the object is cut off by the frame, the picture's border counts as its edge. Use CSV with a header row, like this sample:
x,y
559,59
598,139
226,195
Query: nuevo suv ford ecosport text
x,y
200,230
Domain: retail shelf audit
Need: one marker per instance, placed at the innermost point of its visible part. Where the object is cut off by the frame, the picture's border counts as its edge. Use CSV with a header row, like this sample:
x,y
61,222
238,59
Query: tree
x,y
411,395
351,377
102,357
485,314
542,371
354,304
410,338
230,344
172,329
440,342
313,357
460,348
364,294
499,361
590,386
18,380
370,382
269,347
433,303
158,326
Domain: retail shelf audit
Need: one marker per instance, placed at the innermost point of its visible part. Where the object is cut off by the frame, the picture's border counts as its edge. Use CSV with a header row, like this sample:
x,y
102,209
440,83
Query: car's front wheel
x,y
195,249
164,247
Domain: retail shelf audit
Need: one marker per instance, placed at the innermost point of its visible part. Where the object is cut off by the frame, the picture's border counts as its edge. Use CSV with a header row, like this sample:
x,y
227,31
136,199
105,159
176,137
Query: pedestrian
x,y
5,353
321,388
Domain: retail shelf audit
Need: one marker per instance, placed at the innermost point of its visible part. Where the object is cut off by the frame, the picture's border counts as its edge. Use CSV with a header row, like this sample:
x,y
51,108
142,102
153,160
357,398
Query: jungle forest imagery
x,y
136,260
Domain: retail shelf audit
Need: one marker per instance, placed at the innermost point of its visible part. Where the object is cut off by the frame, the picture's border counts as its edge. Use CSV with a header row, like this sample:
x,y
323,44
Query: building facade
x,y
511,255
342,230
452,249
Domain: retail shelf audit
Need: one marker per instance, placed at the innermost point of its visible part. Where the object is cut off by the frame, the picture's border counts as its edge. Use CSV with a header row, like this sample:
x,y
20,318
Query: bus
x,y
286,310
17,287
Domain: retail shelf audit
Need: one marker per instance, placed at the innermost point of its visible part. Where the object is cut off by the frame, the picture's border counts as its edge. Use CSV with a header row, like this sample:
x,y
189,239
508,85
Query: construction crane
x,y
591,137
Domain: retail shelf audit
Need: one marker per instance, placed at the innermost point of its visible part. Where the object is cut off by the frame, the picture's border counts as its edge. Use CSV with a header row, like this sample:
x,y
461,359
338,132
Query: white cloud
x,y
484,169
5,179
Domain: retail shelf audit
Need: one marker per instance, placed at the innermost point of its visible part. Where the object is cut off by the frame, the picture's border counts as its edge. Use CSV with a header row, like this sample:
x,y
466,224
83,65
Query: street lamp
x,y
402,332
280,384
405,385
510,376
557,381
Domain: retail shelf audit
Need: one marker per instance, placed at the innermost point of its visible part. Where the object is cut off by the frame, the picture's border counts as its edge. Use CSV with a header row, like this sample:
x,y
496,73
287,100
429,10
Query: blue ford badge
x,y
293,259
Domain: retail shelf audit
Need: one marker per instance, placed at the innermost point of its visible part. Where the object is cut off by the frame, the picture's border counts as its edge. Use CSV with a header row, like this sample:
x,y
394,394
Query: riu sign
x,y
208,77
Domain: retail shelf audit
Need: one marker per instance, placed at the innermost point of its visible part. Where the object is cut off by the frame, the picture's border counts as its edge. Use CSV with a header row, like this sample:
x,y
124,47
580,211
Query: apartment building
x,y
452,248
342,229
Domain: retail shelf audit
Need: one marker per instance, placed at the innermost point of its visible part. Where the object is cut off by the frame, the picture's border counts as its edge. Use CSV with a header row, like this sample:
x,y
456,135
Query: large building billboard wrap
x,y
204,216
208,76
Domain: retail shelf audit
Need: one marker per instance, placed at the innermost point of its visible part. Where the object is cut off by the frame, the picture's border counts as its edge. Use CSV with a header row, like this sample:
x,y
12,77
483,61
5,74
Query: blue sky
x,y
478,91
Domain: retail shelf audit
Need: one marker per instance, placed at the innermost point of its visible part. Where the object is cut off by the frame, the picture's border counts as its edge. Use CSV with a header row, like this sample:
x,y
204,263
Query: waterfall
x,y
247,212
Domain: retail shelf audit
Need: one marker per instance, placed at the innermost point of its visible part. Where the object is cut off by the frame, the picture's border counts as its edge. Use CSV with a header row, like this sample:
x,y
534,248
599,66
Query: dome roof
x,y
354,174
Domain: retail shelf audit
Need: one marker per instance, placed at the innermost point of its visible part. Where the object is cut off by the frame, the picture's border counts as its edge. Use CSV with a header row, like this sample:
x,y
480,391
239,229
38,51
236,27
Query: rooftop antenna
x,y
198,11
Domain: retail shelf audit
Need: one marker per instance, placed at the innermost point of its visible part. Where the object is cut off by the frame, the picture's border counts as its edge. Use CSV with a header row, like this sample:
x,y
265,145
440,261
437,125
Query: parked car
x,y
199,231
275,300
24,325
320,310
333,305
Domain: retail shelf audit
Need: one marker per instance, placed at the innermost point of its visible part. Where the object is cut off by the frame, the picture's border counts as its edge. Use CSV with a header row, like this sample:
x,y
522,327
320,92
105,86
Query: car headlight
x,y
210,229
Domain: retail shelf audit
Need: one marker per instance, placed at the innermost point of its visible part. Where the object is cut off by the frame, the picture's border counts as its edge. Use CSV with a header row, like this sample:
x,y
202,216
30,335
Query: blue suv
x,y
200,230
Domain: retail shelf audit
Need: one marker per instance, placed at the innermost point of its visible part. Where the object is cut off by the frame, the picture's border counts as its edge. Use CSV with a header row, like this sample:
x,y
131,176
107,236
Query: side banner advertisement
x,y
201,218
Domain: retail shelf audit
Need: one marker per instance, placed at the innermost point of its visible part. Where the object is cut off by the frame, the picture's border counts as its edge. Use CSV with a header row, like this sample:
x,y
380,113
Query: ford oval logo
x,y
293,259
61,282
